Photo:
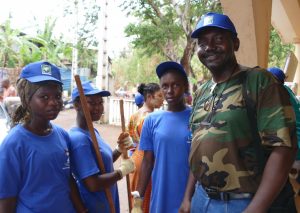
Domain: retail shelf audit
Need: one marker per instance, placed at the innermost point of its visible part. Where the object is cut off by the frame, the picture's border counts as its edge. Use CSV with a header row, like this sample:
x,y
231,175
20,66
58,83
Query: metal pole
x,y
74,49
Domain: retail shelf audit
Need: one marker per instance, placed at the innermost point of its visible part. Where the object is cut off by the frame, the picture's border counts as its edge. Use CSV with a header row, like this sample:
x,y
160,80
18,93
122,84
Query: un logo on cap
x,y
46,69
208,20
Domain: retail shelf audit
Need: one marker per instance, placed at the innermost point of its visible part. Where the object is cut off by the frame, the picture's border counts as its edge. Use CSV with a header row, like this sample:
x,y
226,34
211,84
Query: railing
x,y
114,110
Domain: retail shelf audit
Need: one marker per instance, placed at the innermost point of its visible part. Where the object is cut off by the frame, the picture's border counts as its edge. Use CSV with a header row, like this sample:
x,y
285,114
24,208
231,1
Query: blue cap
x,y
169,65
278,73
214,20
88,89
138,98
41,71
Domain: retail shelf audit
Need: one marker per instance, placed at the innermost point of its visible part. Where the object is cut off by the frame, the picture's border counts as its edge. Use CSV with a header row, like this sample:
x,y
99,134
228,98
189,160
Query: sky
x,y
27,14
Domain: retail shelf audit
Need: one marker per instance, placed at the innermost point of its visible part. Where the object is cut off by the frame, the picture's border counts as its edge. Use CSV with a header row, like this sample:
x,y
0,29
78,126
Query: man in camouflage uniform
x,y
225,162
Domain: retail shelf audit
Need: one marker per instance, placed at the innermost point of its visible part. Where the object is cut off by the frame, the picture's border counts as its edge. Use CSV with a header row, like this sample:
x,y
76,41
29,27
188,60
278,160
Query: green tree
x,y
88,11
278,51
10,41
135,67
164,27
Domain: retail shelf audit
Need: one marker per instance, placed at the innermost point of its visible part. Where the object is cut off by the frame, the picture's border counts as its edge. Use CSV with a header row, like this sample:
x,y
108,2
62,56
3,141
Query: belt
x,y
225,196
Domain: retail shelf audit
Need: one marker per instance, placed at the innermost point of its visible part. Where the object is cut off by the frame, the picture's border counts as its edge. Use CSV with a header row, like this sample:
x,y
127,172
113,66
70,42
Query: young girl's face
x,y
95,106
46,102
173,87
156,100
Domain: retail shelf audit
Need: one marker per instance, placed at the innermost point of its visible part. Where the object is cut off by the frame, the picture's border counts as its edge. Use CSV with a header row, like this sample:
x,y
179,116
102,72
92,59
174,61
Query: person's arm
x,y
274,178
146,170
75,197
189,191
8,205
98,182
144,177
116,154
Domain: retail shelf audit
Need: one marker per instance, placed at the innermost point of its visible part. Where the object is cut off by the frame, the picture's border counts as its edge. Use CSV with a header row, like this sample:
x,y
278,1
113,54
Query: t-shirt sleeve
x,y
83,163
10,165
146,140
275,115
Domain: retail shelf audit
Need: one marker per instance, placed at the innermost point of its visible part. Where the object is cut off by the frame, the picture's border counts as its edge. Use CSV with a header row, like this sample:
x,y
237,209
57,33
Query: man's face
x,y
216,48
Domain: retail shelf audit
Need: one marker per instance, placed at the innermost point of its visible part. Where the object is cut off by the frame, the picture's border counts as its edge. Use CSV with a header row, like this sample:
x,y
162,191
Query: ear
x,y
236,43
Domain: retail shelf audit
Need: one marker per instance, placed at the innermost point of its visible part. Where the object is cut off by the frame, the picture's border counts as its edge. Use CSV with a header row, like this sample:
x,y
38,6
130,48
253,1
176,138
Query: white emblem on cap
x,y
46,69
208,20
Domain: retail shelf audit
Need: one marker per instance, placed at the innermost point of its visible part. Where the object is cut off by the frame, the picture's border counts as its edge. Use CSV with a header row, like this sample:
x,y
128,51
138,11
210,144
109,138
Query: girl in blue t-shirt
x,y
165,140
91,181
34,156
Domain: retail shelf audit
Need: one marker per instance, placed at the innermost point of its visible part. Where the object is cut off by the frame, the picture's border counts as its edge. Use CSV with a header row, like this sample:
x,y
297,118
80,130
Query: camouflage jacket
x,y
222,154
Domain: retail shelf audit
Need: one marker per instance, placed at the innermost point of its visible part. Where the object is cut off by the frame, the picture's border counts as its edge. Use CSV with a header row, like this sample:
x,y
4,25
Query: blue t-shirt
x,y
36,170
167,135
84,164
296,106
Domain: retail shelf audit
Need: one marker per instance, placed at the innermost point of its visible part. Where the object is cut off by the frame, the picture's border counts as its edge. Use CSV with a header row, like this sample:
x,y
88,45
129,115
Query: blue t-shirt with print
x,y
36,170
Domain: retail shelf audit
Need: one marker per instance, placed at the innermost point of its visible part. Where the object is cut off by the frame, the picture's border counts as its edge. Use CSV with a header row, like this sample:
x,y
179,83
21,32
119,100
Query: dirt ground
x,y
109,133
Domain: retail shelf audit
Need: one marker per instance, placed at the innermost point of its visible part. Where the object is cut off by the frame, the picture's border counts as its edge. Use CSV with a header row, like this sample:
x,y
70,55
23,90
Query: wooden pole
x,y
89,122
125,155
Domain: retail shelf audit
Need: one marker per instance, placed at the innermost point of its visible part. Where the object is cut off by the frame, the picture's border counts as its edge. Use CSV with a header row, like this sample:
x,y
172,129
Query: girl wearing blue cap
x,y
34,156
166,145
91,181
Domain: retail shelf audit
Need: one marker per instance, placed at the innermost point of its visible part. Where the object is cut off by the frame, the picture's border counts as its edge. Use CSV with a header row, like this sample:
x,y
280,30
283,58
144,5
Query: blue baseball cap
x,y
169,65
278,73
41,71
88,89
138,98
214,20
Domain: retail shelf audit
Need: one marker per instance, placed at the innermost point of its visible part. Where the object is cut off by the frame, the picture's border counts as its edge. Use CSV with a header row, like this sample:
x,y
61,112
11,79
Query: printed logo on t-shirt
x,y
67,163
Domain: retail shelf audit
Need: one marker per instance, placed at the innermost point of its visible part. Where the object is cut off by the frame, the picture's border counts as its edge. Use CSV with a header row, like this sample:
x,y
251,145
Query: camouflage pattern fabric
x,y
222,153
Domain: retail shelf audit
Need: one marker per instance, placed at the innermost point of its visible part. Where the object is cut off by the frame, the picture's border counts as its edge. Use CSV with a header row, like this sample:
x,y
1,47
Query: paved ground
x,y
109,133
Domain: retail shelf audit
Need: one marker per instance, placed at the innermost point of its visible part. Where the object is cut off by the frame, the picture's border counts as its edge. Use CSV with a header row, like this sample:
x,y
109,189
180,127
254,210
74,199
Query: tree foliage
x,y
87,24
278,51
135,67
164,27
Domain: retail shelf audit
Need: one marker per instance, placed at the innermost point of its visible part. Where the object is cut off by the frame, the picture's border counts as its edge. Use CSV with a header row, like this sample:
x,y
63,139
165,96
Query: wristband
x,y
136,194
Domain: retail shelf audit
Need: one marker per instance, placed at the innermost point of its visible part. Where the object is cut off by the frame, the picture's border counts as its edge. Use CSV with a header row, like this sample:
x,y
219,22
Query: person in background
x,y
153,99
165,140
239,163
34,156
294,174
90,179
8,90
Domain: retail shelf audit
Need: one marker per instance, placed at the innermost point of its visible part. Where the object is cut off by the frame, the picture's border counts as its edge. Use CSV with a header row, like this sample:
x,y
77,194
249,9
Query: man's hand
x,y
185,207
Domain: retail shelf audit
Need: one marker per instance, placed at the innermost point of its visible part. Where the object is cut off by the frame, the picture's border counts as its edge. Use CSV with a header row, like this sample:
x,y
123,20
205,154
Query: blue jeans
x,y
201,203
